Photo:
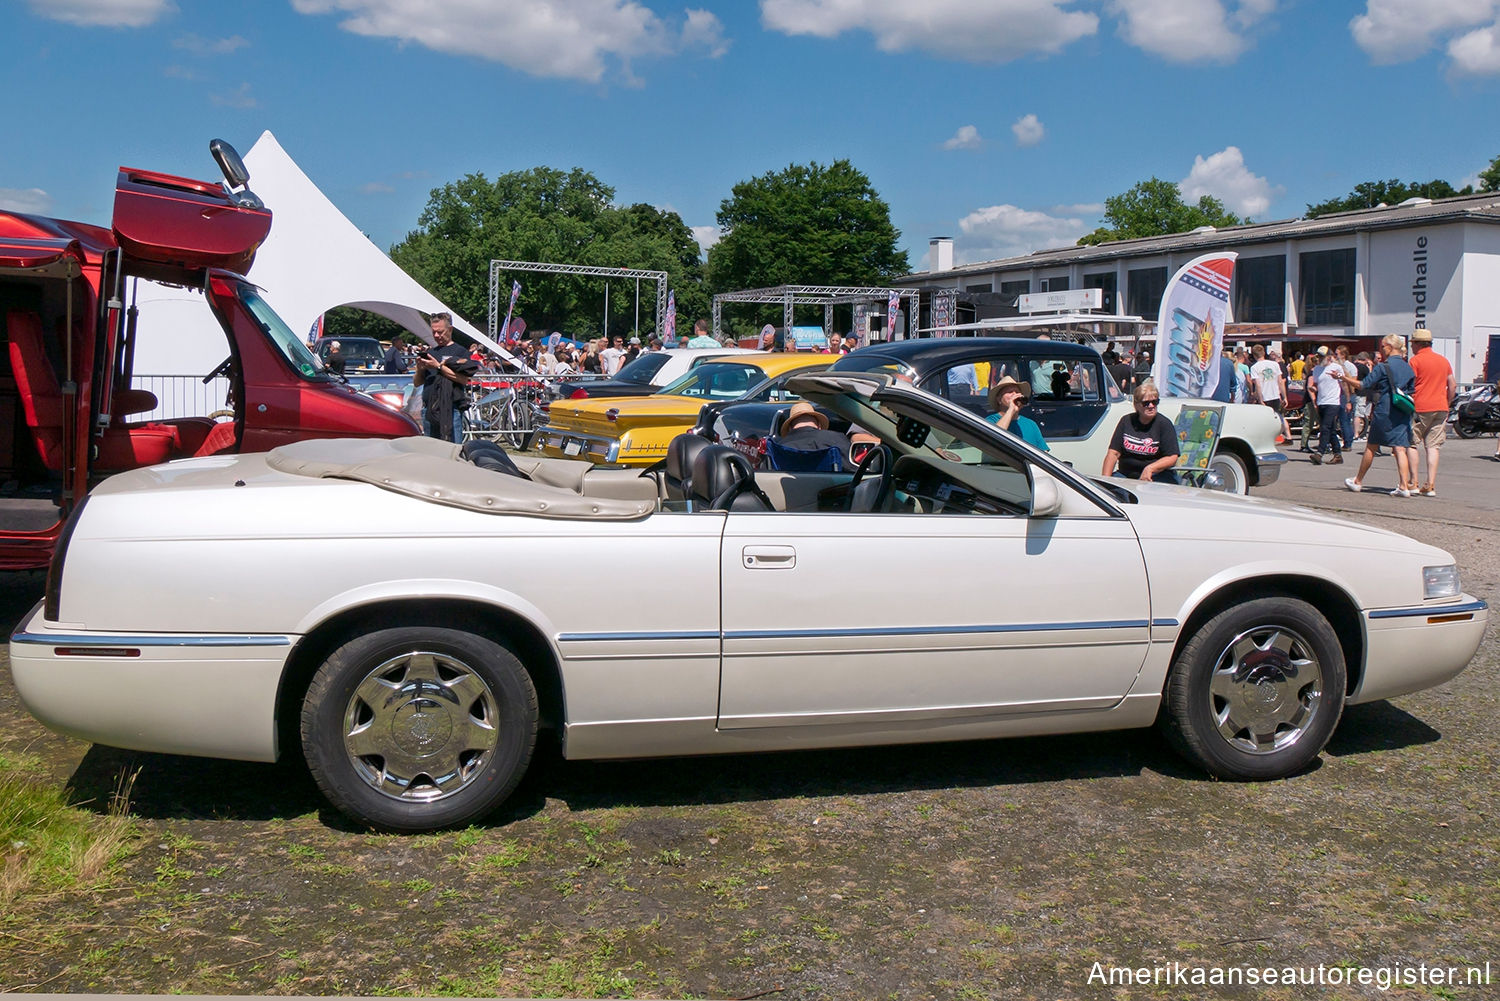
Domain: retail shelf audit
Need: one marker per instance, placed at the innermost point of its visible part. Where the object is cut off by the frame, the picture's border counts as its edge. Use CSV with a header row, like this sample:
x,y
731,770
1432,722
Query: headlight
x,y
1440,582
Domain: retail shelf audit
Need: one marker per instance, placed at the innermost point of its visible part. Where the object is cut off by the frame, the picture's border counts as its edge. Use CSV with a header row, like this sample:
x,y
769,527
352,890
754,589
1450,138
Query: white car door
x,y
861,618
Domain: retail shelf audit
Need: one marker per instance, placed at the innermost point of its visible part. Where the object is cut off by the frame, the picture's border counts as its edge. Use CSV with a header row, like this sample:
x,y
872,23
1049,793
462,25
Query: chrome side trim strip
x,y
1029,627
1165,623
95,639
634,637
1401,613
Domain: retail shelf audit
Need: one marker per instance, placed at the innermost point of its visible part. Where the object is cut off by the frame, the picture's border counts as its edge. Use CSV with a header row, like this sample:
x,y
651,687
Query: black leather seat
x,y
722,480
681,451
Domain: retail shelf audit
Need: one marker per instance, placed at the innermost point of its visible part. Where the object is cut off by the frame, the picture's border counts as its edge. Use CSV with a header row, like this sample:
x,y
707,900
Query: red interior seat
x,y
41,397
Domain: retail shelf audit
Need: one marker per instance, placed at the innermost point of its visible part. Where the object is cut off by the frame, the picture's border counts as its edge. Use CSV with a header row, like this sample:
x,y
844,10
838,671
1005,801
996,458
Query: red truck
x,y
68,324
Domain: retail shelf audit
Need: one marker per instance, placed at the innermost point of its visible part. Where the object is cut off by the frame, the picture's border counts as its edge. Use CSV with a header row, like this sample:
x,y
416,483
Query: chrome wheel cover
x,y
420,726
1266,689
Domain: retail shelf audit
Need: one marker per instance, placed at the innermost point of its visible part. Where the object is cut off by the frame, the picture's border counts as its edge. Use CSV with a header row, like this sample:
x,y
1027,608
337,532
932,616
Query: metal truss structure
x,y
827,296
660,277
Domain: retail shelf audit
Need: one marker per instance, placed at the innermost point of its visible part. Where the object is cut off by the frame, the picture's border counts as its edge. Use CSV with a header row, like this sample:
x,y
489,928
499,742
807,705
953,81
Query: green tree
x,y
351,321
1155,208
1489,177
805,225
545,214
1369,194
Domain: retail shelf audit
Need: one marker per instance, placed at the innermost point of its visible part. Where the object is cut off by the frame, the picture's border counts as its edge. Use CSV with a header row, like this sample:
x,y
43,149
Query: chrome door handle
x,y
769,557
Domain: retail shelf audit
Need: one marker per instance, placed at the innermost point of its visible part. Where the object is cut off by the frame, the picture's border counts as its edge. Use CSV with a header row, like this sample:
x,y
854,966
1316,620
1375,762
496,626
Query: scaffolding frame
x,y
827,296
589,271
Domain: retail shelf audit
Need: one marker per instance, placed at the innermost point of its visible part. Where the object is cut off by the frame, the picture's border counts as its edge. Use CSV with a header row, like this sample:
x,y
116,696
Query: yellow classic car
x,y
635,430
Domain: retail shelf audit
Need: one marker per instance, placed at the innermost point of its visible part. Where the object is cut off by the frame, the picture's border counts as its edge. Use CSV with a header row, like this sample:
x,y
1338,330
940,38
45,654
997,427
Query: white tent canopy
x,y
313,260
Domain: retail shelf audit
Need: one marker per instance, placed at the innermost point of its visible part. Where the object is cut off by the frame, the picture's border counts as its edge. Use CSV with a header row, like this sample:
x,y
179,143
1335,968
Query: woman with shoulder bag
x,y
1390,385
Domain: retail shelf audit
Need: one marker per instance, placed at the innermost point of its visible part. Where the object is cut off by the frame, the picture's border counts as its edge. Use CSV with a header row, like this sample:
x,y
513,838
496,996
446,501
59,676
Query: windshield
x,y
643,369
302,360
721,380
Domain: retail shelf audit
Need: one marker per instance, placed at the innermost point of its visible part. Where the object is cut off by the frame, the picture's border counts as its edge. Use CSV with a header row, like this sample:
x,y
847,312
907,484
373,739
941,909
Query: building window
x,y
1022,287
979,288
1057,283
1146,287
1327,288
1104,280
1260,289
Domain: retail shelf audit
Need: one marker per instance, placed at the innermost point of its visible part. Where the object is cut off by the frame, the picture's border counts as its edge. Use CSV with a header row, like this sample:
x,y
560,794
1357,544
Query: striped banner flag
x,y
669,322
1190,327
515,292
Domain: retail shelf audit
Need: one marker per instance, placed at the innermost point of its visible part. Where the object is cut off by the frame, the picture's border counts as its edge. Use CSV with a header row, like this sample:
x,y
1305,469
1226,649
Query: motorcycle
x,y
1476,412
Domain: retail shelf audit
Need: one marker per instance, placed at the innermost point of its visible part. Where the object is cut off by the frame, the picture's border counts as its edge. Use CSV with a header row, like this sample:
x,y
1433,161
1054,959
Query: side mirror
x,y
230,164
1046,495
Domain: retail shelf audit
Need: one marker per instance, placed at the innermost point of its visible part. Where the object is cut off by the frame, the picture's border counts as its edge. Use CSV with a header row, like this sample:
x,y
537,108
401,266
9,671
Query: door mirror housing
x,y
1046,494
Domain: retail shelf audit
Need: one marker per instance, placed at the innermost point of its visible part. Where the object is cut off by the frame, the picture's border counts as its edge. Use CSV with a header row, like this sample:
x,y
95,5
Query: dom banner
x,y
1190,326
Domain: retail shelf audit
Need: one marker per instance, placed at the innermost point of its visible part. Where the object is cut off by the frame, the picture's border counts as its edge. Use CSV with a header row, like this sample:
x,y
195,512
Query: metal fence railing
x,y
182,396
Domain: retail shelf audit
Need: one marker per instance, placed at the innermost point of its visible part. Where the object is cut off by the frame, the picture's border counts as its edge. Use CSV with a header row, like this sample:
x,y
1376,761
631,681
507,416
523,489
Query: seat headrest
x,y
716,469
681,452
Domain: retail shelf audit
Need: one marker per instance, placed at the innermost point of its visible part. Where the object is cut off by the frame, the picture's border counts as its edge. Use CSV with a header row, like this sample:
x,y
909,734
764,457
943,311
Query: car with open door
x,y
985,589
69,411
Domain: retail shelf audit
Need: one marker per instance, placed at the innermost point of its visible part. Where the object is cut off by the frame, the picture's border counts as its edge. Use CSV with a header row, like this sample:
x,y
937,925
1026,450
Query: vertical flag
x,y
515,291
669,322
1190,327
316,331
892,307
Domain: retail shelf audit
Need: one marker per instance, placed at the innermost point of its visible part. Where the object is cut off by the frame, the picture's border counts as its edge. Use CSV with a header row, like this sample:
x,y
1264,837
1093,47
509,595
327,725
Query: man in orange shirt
x,y
1433,396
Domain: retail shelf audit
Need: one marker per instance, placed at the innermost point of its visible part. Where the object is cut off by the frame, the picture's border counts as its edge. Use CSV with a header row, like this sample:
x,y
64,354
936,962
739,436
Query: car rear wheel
x,y
1257,691
416,728
1231,468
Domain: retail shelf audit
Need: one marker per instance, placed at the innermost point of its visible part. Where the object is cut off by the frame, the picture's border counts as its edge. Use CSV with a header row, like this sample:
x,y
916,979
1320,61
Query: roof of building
x,y
1483,208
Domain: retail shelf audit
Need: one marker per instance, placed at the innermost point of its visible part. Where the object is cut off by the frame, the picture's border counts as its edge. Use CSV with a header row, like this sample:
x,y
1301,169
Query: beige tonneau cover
x,y
433,470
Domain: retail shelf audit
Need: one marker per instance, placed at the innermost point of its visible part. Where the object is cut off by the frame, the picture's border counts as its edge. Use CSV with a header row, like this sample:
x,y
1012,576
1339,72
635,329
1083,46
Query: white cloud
x,y
1029,130
967,137
1225,177
103,13
375,188
1007,231
33,201
706,236
200,46
239,98
566,39
1189,31
1395,31
989,31
1478,52
1086,209
703,30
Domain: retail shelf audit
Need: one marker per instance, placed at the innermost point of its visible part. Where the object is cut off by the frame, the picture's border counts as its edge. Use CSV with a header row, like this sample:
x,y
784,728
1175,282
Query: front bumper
x,y
172,693
1409,649
1268,468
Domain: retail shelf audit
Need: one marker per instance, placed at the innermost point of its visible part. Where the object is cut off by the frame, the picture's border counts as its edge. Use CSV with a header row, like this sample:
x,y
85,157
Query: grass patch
x,y
50,845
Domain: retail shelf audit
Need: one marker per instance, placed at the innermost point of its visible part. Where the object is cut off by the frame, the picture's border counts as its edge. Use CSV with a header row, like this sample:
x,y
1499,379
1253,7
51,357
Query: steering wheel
x,y
222,369
866,494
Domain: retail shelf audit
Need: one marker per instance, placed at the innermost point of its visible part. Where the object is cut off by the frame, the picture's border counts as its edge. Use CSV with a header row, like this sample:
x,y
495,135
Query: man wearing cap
x,y
1007,397
1433,397
806,430
1325,393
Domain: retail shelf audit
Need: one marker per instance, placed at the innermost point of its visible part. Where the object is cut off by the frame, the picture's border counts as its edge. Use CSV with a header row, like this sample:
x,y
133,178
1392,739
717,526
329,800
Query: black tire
x,y
1466,427
1241,704
417,728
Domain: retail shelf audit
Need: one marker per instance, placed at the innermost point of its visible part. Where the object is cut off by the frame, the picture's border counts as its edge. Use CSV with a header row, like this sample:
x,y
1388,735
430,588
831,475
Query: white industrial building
x,y
1349,277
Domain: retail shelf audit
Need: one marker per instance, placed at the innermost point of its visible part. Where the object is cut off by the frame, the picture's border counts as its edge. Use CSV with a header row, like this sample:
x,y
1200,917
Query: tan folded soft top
x,y
433,470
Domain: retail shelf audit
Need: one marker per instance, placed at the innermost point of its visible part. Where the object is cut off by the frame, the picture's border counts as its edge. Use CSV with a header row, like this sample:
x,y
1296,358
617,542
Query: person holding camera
x,y
442,372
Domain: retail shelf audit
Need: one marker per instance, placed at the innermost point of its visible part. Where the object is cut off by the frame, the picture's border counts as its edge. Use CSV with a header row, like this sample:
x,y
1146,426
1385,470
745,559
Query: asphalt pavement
x,y
1466,485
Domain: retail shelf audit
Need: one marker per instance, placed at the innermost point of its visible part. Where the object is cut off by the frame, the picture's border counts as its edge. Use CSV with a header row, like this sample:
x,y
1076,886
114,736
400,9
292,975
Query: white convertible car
x,y
397,610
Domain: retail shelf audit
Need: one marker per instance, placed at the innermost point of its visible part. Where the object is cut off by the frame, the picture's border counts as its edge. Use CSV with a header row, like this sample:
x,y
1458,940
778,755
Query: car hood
x,y
1173,513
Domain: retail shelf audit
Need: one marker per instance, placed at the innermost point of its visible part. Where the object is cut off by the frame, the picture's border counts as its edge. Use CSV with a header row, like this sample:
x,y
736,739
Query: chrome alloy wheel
x,y
1266,689
420,726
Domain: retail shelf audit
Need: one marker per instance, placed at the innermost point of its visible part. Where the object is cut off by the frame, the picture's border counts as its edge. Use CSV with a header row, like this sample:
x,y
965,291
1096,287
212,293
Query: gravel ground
x,y
972,870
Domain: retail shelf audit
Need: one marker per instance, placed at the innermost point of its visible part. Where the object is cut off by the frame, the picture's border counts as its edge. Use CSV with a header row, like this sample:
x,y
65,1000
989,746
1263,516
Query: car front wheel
x,y
1231,469
1257,691
411,729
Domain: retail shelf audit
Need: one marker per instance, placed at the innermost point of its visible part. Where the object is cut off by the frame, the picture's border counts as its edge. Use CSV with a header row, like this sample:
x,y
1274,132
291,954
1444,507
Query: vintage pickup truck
x,y
68,323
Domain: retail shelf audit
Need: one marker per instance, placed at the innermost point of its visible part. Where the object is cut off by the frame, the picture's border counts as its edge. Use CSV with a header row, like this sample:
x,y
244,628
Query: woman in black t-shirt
x,y
1144,445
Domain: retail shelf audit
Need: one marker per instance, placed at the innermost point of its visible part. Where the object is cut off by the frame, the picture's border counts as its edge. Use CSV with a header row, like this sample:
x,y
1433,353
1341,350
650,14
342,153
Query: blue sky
x,y
1002,123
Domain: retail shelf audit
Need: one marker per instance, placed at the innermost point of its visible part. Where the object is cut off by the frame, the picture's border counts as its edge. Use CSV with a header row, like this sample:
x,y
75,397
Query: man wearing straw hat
x,y
1007,397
